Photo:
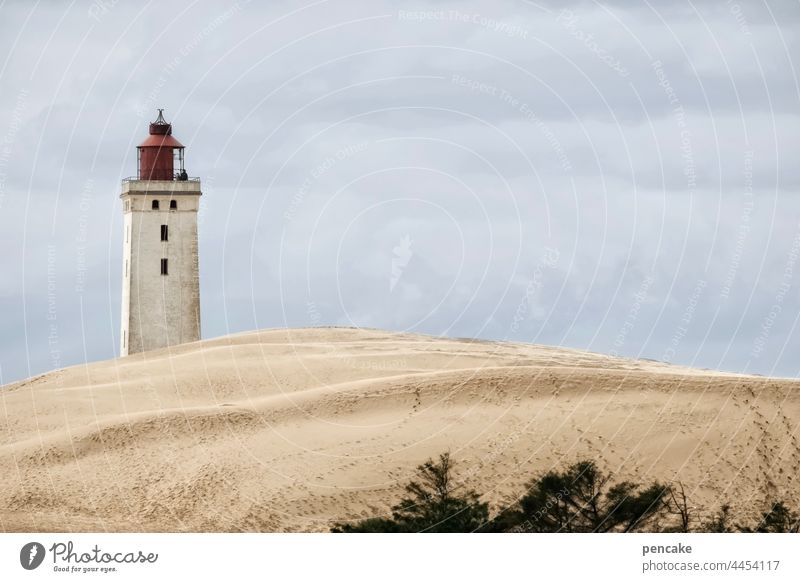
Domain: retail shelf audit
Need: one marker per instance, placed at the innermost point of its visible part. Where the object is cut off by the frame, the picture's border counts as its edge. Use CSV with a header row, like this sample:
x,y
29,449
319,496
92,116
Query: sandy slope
x,y
289,430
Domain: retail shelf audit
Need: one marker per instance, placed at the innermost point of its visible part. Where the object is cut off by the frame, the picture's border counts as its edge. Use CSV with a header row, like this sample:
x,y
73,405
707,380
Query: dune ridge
x,y
289,430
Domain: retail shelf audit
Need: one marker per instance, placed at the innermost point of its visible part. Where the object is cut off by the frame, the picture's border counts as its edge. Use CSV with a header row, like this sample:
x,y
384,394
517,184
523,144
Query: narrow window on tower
x,y
173,204
155,205
164,232
126,267
164,267
124,337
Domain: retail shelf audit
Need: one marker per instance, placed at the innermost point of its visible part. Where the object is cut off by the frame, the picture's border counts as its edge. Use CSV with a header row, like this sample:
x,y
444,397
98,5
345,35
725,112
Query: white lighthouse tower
x,y
160,271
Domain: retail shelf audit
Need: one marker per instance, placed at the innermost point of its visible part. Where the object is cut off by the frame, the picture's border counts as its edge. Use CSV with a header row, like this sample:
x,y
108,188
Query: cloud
x,y
647,146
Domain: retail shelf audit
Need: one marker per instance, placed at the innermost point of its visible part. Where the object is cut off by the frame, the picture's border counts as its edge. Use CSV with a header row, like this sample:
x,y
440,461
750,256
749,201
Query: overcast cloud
x,y
617,177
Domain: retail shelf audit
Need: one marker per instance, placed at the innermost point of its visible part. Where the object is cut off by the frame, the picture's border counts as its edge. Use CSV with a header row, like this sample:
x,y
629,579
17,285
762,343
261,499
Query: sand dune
x,y
289,430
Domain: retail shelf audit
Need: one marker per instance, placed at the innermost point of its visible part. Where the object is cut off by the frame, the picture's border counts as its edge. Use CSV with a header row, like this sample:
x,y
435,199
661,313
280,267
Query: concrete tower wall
x,y
159,310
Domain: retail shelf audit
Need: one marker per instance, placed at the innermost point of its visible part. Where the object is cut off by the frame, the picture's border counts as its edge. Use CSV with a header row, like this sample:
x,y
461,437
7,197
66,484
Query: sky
x,y
619,177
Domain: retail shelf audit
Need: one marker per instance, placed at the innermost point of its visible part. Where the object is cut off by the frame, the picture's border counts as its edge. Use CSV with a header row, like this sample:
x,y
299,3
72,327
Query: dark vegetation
x,y
433,503
579,499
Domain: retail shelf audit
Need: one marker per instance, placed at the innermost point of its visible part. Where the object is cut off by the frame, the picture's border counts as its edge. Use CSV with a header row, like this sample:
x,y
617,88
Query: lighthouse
x,y
160,271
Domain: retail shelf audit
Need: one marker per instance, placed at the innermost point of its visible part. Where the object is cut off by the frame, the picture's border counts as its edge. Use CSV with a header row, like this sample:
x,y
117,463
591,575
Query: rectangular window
x,y
126,267
127,233
123,338
173,204
164,267
164,232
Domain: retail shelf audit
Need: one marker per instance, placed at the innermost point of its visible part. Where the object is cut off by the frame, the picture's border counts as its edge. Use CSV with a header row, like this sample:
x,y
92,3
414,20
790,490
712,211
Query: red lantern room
x,y
161,155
